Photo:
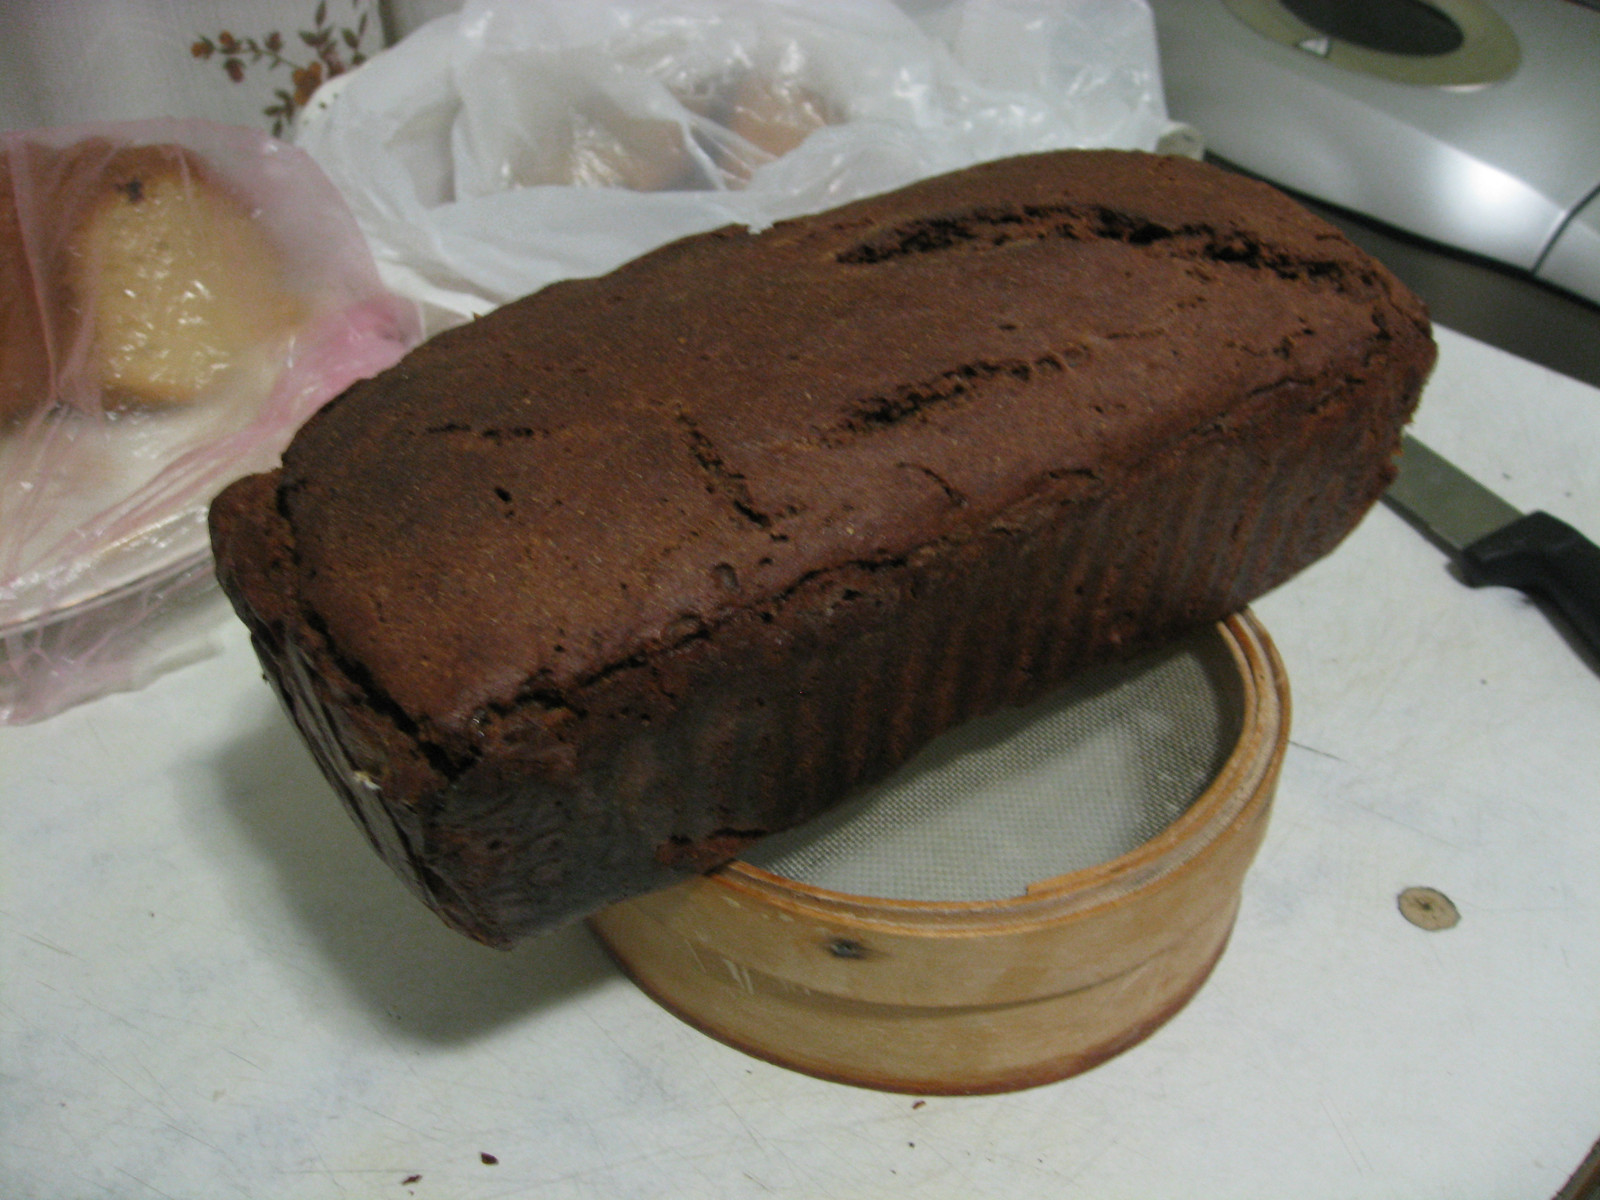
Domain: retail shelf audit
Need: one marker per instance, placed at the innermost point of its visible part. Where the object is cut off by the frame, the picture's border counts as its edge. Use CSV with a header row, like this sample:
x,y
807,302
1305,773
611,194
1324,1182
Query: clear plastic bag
x,y
177,298
500,148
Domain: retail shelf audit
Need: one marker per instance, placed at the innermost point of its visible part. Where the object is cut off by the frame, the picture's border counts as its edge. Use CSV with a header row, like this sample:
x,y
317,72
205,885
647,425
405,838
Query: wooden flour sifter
x,y
1035,892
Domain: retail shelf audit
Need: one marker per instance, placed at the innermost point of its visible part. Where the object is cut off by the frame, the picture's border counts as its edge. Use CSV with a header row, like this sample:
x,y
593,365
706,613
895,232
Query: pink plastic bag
x,y
176,298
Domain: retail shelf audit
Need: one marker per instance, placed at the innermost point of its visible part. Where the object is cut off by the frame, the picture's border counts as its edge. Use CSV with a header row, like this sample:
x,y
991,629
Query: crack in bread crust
x,y
988,228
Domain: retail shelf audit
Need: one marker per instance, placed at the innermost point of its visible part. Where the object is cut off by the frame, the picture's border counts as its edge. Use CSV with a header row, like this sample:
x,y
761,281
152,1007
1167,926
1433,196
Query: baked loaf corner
x,y
598,588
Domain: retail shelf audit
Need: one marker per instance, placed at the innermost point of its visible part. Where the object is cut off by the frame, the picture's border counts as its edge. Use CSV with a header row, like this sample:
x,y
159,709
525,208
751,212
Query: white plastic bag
x,y
511,144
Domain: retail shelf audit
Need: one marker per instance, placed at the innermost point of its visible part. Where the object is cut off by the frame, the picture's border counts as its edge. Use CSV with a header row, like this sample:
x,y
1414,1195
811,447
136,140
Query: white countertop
x,y
210,986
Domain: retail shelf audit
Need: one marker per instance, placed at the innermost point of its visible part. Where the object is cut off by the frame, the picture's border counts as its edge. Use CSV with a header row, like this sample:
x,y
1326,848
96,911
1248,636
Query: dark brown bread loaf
x,y
596,589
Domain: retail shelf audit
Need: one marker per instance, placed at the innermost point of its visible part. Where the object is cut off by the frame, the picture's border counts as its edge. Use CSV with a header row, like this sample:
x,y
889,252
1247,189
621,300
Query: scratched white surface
x,y
209,987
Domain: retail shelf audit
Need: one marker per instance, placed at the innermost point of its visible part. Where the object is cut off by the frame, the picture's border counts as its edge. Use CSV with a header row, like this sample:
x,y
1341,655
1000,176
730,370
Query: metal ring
x,y
1489,51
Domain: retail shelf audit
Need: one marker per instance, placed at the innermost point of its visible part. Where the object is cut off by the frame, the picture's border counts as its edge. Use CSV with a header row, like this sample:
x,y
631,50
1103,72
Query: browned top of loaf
x,y
613,464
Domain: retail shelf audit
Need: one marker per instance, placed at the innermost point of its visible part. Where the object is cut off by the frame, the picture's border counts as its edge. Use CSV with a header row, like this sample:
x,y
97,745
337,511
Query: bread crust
x,y
610,582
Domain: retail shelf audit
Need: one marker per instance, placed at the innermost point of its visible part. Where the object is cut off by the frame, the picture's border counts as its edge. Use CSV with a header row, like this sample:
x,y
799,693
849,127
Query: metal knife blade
x,y
1494,543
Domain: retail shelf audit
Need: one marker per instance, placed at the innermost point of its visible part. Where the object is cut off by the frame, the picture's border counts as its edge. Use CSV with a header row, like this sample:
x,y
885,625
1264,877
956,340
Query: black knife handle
x,y
1546,557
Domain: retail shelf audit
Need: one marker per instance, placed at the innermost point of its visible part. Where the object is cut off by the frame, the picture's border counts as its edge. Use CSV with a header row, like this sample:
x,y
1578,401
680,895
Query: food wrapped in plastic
x,y
175,299
507,145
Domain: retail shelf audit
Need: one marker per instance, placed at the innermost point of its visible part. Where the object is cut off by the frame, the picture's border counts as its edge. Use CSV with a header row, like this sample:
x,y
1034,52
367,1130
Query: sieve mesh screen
x,y
1023,795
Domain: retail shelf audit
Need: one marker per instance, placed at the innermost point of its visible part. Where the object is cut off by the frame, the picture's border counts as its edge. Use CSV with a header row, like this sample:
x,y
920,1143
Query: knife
x,y
1494,543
